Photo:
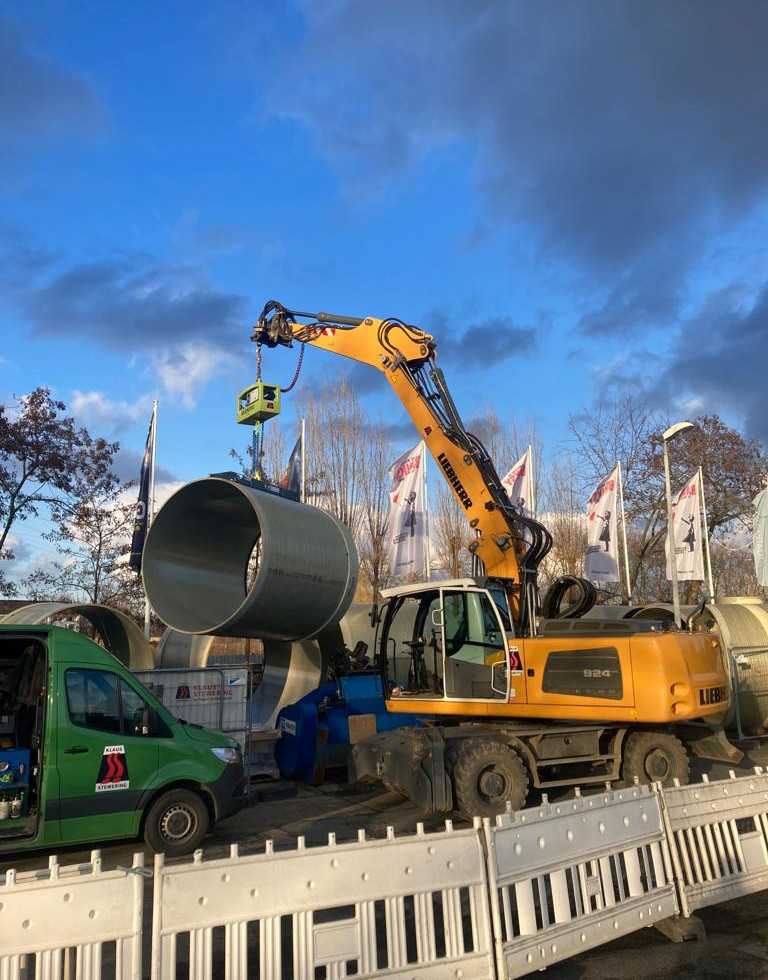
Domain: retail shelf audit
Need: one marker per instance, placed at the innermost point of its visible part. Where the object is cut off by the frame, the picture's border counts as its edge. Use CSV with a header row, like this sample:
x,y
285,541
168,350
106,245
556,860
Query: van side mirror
x,y
437,618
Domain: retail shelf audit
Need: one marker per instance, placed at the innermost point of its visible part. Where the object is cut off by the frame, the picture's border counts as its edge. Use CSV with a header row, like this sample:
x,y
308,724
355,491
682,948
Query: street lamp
x,y
667,436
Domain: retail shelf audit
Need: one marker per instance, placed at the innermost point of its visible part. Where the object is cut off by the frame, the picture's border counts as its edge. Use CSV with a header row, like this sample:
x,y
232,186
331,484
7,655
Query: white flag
x,y
407,525
602,560
686,520
519,484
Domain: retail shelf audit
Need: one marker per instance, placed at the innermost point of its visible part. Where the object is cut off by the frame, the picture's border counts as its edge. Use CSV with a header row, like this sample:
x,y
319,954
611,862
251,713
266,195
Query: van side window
x,y
93,699
136,711
102,700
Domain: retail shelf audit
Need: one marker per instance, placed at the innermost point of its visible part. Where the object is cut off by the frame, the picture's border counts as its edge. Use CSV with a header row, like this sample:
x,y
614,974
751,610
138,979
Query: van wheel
x,y
655,757
176,823
487,774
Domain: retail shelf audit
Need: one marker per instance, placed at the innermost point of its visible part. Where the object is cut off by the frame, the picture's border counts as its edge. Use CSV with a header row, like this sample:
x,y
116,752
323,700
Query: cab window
x,y
471,626
101,700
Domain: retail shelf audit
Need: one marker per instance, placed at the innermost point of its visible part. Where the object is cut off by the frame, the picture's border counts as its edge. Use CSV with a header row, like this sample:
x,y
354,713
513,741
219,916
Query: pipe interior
x,y
202,541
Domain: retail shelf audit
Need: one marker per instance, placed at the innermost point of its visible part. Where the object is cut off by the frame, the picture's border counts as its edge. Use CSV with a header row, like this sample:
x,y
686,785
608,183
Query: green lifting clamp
x,y
255,405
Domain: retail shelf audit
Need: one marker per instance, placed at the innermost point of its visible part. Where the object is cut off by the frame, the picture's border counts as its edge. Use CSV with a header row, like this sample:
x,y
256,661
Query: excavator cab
x,y
451,640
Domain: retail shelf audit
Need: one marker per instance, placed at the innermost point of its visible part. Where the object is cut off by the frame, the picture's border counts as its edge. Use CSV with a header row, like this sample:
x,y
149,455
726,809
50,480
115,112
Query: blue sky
x,y
581,185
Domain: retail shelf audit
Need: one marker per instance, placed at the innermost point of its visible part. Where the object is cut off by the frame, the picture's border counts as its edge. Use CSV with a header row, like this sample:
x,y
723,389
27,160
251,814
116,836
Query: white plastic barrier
x,y
72,921
718,833
501,899
567,877
404,907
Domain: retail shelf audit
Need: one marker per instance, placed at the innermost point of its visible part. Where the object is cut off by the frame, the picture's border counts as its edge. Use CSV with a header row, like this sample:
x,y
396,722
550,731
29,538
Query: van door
x,y
106,755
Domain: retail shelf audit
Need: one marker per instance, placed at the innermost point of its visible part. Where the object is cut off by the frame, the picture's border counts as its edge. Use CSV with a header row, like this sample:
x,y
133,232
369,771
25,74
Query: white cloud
x,y
165,490
99,410
185,370
692,405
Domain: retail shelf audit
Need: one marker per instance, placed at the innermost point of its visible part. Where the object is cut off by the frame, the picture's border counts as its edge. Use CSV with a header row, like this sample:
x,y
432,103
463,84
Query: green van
x,y
88,754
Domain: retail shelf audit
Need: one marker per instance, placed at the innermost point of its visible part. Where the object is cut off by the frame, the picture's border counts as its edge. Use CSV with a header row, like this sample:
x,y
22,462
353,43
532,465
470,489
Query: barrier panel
x,y
749,678
72,921
499,899
215,697
718,833
414,906
569,876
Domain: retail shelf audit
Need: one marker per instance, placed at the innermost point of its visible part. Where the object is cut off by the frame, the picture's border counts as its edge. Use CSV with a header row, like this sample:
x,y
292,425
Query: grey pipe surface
x,y
198,551
120,634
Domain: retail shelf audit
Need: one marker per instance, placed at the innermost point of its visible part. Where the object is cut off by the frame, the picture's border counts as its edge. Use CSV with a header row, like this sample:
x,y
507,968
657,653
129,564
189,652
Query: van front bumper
x,y
229,791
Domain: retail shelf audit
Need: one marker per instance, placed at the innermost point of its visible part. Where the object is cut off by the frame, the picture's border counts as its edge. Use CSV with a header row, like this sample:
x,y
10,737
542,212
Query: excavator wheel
x,y
655,757
486,774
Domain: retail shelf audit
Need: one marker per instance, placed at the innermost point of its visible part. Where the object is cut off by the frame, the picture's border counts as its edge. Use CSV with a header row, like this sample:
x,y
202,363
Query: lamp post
x,y
667,436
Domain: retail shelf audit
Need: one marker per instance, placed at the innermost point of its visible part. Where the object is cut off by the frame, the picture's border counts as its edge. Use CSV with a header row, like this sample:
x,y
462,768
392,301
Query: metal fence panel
x,y
215,697
412,907
718,833
570,876
73,921
749,676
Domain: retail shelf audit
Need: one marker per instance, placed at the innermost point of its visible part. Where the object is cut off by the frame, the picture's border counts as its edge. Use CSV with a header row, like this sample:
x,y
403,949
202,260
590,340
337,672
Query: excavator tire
x,y
654,757
486,774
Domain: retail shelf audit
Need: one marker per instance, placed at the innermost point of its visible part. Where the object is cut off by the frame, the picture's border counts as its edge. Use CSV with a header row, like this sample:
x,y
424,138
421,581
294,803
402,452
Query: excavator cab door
x,y
477,649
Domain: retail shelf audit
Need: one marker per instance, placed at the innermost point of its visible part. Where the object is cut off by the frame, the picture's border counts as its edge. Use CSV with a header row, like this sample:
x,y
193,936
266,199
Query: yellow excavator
x,y
508,697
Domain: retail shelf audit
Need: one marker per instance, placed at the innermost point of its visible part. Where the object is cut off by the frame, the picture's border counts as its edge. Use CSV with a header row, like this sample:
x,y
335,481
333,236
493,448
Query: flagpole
x,y
624,536
303,487
533,482
428,542
151,510
707,555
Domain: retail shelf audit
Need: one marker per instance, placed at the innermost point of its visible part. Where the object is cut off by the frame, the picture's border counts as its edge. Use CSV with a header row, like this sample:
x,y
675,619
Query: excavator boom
x,y
509,544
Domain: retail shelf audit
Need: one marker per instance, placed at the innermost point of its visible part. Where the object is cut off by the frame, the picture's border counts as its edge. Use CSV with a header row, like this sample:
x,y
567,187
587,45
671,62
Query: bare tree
x,y
563,514
47,463
733,569
621,431
451,533
335,452
375,507
93,540
630,431
506,443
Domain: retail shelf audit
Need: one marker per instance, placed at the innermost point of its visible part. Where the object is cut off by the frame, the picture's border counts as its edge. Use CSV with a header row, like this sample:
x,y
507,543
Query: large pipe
x,y
227,559
119,633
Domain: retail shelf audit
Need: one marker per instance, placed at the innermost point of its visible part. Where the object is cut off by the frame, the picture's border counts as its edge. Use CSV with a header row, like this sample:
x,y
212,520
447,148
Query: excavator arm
x,y
509,544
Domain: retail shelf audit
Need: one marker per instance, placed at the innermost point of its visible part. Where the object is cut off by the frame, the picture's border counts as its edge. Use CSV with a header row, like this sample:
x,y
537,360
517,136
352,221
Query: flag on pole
x,y
519,484
407,544
291,479
146,482
601,563
686,520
